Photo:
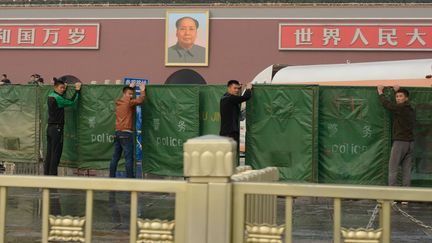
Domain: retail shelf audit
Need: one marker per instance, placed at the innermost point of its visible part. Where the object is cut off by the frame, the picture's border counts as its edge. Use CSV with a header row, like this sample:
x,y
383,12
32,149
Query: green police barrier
x,y
209,97
19,138
421,100
96,125
170,117
354,133
89,126
42,97
70,140
354,136
281,130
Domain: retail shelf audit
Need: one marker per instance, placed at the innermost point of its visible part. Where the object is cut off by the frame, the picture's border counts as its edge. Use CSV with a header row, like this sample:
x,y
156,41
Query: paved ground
x,y
312,217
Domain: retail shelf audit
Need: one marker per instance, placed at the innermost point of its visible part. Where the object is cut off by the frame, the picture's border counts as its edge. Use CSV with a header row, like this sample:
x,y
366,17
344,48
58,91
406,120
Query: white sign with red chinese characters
x,y
49,36
386,37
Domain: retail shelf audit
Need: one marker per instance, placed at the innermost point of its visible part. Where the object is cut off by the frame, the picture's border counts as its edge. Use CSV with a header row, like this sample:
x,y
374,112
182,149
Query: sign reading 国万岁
x,y
49,36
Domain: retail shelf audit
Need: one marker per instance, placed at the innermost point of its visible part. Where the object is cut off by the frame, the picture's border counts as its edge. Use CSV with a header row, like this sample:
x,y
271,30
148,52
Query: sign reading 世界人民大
x,y
387,37
49,36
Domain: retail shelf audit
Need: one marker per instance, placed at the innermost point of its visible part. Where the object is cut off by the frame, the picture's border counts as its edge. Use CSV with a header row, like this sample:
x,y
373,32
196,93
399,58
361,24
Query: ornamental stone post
x,y
209,162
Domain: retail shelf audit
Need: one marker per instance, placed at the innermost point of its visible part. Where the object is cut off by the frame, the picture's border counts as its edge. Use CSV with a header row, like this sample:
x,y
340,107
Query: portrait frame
x,y
175,54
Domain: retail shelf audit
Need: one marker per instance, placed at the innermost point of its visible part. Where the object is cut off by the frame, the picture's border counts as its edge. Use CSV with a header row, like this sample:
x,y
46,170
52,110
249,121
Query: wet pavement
x,y
312,223
313,220
110,212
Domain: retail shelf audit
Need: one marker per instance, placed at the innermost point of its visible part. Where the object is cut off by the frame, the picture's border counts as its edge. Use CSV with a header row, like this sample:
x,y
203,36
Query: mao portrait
x,y
186,38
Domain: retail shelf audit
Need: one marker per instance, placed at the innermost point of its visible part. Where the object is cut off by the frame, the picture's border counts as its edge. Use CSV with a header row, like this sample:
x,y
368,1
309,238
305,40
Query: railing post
x,y
386,221
288,219
337,220
208,164
133,217
45,214
89,216
3,202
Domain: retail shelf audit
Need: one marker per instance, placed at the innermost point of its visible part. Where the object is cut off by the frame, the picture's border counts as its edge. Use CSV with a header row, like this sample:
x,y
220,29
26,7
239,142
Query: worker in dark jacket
x,y
56,104
230,110
402,134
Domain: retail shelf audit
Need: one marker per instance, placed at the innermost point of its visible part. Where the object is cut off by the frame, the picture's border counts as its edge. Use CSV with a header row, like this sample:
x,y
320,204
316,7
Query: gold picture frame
x,y
186,37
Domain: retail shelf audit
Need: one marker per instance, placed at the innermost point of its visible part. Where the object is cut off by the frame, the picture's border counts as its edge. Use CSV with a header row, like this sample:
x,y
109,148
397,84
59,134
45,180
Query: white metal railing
x,y
386,195
260,209
211,206
95,184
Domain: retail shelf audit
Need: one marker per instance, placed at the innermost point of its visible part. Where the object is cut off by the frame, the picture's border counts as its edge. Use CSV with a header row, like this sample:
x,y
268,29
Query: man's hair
x,y
58,82
231,82
403,91
4,75
182,18
126,88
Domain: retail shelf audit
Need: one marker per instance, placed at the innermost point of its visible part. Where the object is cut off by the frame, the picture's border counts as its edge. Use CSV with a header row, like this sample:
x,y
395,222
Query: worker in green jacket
x,y
56,104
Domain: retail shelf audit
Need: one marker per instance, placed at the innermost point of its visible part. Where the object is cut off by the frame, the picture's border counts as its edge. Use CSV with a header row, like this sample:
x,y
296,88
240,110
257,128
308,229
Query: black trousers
x,y
54,148
236,137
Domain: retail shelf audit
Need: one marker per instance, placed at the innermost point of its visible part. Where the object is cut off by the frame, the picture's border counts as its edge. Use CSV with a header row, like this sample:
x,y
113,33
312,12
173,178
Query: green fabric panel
x,y
43,92
209,97
170,117
19,141
354,136
70,146
70,140
96,125
281,130
421,100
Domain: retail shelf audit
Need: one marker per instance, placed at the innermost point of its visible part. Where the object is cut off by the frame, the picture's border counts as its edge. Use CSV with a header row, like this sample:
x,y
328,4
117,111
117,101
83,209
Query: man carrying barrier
x,y
402,134
56,104
123,141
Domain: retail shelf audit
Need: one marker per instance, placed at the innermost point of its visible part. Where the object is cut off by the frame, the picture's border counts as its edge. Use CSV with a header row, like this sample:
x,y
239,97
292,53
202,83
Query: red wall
x,y
239,49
